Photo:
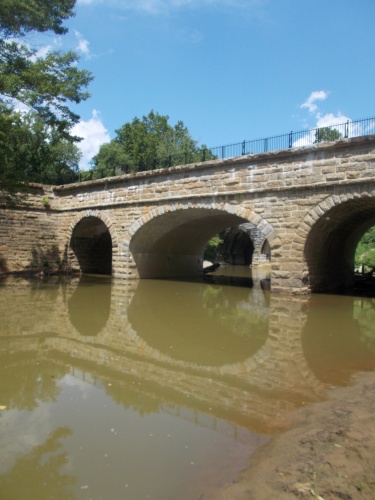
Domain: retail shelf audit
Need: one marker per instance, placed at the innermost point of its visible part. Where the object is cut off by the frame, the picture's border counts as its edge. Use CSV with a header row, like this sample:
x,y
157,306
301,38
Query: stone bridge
x,y
307,206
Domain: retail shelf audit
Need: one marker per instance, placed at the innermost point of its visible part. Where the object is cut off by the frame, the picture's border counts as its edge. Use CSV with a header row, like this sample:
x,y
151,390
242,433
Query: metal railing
x,y
293,139
299,138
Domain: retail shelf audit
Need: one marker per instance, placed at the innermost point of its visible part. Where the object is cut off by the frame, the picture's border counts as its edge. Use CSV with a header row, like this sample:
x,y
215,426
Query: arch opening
x,y
237,247
365,254
91,244
172,245
331,244
243,245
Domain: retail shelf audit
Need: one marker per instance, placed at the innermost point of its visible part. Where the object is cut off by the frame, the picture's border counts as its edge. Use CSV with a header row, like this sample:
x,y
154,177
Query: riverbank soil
x,y
327,453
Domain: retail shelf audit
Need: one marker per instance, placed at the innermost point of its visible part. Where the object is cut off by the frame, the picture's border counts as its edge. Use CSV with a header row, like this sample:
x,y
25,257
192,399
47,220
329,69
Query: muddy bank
x,y
328,452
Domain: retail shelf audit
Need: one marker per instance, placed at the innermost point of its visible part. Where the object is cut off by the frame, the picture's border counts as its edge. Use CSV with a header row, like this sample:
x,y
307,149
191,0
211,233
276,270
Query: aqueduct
x,y
310,206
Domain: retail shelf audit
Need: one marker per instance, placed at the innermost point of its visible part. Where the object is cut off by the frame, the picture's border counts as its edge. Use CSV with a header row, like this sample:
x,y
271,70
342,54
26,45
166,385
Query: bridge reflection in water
x,y
156,387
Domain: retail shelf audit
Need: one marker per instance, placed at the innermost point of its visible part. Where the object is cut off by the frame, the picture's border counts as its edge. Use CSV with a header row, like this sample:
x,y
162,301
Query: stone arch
x,y
245,244
328,236
169,240
92,243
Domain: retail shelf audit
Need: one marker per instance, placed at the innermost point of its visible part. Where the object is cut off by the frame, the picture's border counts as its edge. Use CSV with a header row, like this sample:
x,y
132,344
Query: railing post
x,y
291,139
347,129
243,147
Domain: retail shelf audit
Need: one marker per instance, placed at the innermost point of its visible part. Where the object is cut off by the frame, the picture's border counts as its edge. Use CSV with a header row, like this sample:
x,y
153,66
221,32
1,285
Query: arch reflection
x,y
338,338
89,306
210,325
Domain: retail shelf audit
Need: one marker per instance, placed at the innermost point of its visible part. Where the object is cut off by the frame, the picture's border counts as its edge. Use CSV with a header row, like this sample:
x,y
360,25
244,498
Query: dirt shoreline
x,y
327,453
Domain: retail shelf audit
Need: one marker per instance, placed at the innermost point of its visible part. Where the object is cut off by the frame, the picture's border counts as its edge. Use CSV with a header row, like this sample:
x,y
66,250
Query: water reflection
x,y
89,306
38,473
210,325
129,389
338,339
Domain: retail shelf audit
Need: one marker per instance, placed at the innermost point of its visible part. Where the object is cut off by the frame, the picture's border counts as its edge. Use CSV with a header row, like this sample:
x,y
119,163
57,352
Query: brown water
x,y
159,389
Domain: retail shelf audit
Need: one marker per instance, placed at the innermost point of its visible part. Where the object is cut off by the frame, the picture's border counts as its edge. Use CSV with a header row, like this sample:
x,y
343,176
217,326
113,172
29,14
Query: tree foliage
x,y
148,143
19,17
45,84
212,248
32,151
327,134
365,253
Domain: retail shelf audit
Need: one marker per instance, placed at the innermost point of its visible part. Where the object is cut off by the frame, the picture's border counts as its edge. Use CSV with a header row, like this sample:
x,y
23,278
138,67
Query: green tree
x,y
148,143
31,151
112,159
19,17
212,247
365,252
46,85
327,134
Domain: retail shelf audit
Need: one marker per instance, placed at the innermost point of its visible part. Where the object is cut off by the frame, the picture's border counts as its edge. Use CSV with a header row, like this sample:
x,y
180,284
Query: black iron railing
x,y
300,138
293,139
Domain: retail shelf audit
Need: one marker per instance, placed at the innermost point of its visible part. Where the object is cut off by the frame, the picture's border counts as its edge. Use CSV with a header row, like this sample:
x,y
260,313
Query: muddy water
x,y
160,389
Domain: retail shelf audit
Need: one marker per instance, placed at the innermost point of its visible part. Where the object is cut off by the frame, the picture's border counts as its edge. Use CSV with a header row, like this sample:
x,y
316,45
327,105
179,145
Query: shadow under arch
x,y
246,244
91,243
237,247
331,241
266,250
169,242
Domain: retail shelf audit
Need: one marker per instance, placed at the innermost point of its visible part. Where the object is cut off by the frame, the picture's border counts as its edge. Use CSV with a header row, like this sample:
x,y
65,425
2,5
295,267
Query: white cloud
x,y
36,425
43,51
318,95
192,37
19,106
94,134
323,120
83,45
330,119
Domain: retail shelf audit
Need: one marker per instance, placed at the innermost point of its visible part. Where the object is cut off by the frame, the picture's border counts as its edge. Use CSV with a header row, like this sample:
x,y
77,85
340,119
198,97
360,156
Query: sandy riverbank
x,y
327,453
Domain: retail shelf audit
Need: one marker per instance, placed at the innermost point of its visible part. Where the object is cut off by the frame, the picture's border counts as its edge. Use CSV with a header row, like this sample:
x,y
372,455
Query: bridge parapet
x,y
323,164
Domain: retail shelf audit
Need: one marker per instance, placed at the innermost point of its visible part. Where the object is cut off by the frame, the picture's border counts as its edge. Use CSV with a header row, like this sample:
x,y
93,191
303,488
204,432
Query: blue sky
x,y
229,69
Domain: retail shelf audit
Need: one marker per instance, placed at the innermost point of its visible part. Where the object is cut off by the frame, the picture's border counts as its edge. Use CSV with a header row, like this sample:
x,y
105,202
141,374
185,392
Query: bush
x,y
212,248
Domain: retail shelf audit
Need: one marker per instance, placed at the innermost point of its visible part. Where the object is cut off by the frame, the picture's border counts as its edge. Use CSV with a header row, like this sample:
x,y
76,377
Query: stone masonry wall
x,y
29,235
282,193
285,172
